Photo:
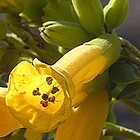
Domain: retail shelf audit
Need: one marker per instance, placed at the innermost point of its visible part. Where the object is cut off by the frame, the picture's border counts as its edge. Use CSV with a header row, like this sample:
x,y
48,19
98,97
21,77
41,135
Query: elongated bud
x,y
59,10
63,33
115,13
90,13
86,121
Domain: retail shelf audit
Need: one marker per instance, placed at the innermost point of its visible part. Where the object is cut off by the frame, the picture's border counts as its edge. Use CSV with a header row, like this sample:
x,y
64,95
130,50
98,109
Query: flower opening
x,y
37,96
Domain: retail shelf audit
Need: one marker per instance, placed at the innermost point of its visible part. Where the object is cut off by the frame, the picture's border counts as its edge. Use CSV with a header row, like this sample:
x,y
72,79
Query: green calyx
x,y
64,34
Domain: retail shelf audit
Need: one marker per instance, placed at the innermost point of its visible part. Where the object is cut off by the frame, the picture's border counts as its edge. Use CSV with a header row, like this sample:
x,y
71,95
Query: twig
x,y
111,129
130,47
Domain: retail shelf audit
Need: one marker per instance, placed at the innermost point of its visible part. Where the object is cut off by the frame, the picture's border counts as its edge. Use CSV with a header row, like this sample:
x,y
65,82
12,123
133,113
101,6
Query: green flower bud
x,y
3,29
115,13
63,33
33,11
59,10
90,14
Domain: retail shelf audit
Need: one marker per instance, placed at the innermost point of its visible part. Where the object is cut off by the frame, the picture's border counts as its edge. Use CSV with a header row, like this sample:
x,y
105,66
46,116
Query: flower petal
x,y
86,121
39,101
20,75
7,122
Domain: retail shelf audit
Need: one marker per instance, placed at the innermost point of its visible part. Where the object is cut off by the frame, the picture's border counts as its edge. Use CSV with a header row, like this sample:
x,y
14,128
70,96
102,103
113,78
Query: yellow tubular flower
x,y
7,122
41,97
86,121
37,96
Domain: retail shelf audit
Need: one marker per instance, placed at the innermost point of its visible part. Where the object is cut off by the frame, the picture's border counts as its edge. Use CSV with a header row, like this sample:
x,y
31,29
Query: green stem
x,y
111,129
129,46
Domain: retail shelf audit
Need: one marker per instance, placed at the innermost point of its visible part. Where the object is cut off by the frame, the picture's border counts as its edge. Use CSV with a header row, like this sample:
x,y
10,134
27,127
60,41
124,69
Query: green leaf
x,y
122,72
129,91
8,60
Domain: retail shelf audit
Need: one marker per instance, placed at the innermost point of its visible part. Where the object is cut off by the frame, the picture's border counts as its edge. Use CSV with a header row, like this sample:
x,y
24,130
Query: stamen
x,y
44,96
54,90
49,80
44,103
51,99
36,92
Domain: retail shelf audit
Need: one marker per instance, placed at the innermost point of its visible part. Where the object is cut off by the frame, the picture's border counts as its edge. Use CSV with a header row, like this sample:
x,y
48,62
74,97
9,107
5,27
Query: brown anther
x,y
44,96
36,92
44,103
49,80
51,99
54,90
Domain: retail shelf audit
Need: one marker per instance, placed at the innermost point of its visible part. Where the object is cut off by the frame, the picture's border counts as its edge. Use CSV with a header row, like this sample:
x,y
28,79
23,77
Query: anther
x,y
44,103
36,92
49,80
54,90
44,96
51,99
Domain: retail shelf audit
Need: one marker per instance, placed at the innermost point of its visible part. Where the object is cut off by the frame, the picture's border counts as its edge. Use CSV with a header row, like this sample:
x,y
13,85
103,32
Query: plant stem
x,y
111,129
129,46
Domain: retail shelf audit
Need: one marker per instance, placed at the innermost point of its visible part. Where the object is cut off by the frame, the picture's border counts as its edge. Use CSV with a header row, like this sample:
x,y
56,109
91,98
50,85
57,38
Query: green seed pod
x,y
90,14
3,29
115,13
63,33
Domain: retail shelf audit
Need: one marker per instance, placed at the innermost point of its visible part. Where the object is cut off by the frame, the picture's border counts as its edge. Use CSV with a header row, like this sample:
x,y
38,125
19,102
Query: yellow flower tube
x,y
85,62
7,122
87,120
